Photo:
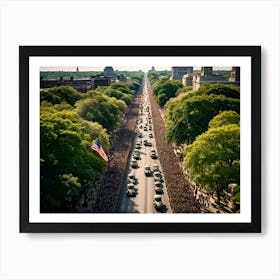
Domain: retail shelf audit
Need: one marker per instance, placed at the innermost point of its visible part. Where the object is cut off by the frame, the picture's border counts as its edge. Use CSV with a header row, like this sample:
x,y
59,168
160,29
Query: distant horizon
x,y
118,68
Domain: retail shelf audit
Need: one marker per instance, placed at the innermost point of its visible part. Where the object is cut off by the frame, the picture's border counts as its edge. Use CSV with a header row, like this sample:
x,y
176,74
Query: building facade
x,y
109,71
207,77
177,72
82,85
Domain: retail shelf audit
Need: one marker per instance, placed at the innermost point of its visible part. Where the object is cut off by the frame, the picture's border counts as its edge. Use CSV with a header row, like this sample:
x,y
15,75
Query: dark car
x,y
147,170
157,202
157,176
131,179
134,164
153,155
158,187
130,190
136,155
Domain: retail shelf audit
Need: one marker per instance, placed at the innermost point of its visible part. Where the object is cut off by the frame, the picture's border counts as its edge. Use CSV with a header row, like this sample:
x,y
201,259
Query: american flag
x,y
98,148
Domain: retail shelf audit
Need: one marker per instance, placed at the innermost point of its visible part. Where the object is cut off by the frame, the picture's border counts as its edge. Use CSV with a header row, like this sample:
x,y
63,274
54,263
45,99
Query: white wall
x,y
134,256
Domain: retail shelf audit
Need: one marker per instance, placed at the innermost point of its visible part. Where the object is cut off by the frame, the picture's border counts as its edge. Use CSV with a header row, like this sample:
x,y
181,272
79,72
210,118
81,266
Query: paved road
x,y
143,200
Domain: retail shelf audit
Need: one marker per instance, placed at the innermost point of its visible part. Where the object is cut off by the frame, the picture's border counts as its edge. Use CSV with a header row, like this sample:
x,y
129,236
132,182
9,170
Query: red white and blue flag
x,y
98,148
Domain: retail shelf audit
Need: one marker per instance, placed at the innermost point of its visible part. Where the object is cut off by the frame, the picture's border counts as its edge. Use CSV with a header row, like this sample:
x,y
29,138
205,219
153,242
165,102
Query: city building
x,y
187,80
109,71
207,77
100,81
177,72
235,74
82,85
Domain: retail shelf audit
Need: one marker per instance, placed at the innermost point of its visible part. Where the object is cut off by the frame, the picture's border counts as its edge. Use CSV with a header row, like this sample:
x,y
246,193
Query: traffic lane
x,y
144,198
145,183
143,201
165,198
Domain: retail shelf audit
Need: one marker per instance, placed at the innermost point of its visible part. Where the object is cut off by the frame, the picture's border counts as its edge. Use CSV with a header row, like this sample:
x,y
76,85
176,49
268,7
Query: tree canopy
x,y
213,159
60,94
70,123
224,89
102,109
225,118
65,157
188,117
164,90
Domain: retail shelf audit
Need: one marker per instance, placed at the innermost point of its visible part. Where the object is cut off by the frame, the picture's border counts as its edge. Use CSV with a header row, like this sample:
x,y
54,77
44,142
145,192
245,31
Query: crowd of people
x,y
103,196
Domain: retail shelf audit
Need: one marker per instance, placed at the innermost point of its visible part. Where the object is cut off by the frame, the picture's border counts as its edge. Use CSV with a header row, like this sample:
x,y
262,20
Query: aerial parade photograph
x,y
140,140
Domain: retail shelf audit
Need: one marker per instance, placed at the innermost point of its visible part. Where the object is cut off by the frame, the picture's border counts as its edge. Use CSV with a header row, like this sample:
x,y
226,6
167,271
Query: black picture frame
x,y
254,52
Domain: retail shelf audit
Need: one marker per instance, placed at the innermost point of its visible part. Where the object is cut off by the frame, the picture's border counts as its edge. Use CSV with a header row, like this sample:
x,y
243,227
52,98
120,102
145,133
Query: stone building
x,y
82,85
177,72
187,80
235,74
109,71
207,77
100,81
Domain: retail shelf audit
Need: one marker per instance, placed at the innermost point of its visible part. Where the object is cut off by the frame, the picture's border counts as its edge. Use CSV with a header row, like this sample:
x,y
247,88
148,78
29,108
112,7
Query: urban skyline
x,y
119,68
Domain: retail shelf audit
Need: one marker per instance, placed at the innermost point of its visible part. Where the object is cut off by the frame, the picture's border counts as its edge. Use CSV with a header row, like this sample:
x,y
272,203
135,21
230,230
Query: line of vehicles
x,y
144,137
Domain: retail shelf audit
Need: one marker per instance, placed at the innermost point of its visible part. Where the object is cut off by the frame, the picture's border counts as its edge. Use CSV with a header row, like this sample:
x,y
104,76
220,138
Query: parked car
x,y
158,187
153,155
134,163
155,167
157,176
138,146
147,170
151,135
157,202
136,155
130,190
131,179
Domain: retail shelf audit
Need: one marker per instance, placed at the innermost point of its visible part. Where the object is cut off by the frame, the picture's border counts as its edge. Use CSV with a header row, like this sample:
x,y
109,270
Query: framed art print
x,y
140,138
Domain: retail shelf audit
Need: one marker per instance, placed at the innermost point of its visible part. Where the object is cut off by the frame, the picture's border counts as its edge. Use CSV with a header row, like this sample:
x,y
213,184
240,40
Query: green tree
x,y
213,159
189,118
226,90
113,93
225,118
60,94
164,90
94,130
103,109
66,161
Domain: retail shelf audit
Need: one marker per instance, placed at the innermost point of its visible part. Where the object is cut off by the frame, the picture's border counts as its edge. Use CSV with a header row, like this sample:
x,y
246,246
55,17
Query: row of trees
x,y
188,115
207,123
70,122
213,159
164,89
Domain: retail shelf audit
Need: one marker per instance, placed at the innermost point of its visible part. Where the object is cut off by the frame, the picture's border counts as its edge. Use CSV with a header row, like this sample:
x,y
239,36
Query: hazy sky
x,y
120,68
